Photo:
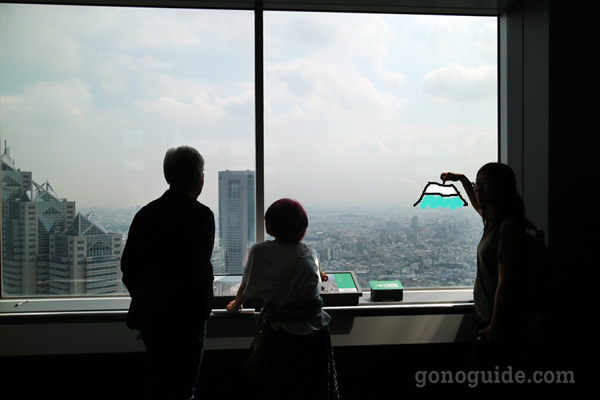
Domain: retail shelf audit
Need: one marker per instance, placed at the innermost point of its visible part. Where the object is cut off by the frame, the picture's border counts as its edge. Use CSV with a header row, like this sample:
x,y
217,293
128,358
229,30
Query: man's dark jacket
x,y
166,263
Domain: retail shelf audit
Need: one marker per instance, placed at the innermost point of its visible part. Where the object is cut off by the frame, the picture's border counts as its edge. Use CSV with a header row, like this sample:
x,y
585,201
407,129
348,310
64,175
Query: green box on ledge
x,y
386,290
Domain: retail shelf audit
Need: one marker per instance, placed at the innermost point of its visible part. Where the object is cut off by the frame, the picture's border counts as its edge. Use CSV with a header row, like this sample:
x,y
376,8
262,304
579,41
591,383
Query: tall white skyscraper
x,y
237,224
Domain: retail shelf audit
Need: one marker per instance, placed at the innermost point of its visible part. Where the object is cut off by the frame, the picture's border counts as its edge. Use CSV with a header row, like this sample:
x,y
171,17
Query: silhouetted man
x,y
167,270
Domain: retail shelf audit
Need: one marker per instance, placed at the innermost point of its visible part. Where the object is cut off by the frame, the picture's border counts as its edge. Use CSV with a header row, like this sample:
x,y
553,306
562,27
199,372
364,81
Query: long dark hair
x,y
510,205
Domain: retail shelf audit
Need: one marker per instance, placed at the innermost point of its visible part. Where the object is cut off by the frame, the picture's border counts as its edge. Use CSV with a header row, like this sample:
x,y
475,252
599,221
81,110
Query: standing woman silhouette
x,y
501,274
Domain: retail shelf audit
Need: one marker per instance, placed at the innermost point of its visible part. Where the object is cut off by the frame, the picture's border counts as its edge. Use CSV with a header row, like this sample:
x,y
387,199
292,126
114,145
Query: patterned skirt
x,y
299,367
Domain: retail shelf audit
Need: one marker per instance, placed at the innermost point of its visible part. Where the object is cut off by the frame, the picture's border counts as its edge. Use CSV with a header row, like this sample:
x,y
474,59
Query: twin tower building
x,y
50,249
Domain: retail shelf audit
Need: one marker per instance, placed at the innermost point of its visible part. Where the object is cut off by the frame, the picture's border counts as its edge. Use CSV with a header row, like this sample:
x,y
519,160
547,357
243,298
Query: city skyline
x,y
52,247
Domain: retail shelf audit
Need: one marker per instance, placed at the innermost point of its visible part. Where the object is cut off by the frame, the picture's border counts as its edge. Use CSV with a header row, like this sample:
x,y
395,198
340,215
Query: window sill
x,y
415,301
96,325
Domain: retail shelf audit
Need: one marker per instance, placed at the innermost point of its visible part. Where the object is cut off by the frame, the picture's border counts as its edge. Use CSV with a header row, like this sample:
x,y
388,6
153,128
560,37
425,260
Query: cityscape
x,y
346,123
52,248
420,248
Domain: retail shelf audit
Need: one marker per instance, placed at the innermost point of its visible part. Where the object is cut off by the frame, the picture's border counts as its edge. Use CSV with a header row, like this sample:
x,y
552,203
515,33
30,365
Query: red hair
x,y
286,220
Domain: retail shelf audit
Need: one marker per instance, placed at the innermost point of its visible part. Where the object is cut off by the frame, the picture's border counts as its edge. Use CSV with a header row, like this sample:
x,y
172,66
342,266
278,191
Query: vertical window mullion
x,y
259,123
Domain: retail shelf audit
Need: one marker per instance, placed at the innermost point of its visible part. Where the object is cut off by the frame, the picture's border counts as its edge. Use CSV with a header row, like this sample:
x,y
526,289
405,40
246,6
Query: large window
x,y
91,98
361,112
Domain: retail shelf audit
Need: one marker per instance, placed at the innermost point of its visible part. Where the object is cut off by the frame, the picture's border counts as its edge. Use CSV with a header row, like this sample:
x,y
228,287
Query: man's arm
x,y
131,257
205,242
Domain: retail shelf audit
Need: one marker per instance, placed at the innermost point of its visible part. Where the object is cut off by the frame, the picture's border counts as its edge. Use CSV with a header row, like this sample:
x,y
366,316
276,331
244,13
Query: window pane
x,y
91,98
361,112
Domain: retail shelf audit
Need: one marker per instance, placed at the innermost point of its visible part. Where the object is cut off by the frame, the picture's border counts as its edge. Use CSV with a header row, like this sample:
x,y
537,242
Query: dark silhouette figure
x,y
502,271
167,270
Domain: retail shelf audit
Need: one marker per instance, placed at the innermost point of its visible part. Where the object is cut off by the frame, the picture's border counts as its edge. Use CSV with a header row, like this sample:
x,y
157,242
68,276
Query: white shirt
x,y
268,268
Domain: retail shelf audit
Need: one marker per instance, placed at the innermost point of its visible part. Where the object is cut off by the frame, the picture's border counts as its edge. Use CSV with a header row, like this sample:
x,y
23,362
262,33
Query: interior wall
x,y
235,332
549,127
524,125
575,144
574,152
553,144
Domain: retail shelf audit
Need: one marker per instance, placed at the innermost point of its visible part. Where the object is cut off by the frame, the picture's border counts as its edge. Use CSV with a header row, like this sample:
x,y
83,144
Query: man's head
x,y
183,167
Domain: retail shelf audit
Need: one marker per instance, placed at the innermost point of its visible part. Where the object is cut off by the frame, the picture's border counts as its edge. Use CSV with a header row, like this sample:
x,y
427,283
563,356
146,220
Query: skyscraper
x,y
85,259
30,213
37,223
237,224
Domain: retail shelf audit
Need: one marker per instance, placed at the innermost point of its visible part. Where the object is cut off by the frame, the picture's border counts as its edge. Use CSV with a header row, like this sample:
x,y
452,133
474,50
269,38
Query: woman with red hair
x,y
284,273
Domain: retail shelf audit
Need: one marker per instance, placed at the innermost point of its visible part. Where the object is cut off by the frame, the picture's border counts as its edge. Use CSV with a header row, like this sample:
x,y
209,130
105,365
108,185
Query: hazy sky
x,y
359,108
